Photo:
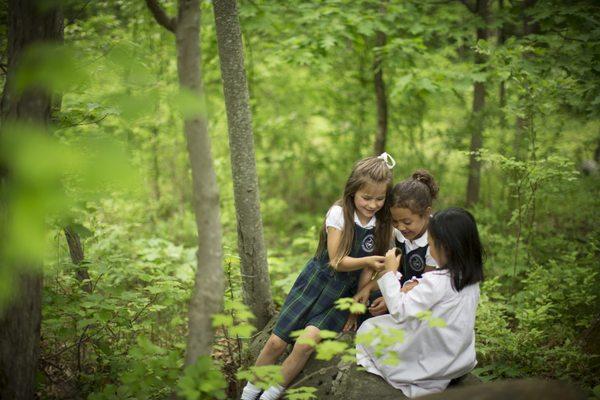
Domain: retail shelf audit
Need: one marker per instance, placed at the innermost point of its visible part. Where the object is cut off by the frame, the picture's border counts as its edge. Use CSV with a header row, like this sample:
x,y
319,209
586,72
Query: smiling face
x,y
412,225
368,200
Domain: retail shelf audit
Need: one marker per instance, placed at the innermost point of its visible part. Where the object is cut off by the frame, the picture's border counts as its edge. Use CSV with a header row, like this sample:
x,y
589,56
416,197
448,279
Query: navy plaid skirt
x,y
311,300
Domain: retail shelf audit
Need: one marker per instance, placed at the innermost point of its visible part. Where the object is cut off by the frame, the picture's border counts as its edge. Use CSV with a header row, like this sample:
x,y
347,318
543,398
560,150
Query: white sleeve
x,y
406,305
335,218
430,261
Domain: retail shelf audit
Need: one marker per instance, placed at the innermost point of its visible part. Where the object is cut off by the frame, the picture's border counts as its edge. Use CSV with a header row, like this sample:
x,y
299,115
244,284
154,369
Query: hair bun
x,y
426,178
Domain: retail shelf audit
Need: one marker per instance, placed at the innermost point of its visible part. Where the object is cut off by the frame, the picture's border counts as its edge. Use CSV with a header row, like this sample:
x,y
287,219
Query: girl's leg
x,y
273,348
300,354
294,363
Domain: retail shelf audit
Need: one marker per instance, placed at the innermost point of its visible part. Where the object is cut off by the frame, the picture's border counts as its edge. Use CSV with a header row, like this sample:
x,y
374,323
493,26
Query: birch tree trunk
x,y
251,248
20,319
207,296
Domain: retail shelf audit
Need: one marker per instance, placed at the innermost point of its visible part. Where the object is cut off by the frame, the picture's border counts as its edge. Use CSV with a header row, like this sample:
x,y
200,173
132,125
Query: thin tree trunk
x,y
477,118
77,256
207,296
521,124
251,248
502,86
20,320
382,107
363,82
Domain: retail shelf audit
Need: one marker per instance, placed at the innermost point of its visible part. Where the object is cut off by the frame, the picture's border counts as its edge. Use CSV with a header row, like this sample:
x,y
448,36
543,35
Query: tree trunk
x,y
27,24
522,123
502,85
477,118
251,248
207,297
21,318
77,256
382,109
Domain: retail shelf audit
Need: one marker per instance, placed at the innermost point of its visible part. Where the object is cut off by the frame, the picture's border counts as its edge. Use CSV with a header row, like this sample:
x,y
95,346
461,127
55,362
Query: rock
x,y
519,389
337,380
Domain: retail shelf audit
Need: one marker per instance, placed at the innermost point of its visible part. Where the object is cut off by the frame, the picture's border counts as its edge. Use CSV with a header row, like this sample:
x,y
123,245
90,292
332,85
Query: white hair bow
x,y
389,160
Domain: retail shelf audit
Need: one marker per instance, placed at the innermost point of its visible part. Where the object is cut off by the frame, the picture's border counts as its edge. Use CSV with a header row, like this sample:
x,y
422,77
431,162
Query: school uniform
x,y
429,357
416,256
311,300
416,259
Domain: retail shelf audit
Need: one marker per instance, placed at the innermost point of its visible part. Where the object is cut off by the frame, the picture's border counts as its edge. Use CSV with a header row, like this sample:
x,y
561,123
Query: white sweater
x,y
429,356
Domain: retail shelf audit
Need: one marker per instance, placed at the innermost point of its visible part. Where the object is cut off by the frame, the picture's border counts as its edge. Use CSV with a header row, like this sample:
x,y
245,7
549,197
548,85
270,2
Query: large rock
x,y
337,380
518,389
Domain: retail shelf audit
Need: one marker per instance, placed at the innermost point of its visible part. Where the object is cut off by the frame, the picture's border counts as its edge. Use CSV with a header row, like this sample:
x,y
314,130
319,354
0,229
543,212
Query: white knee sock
x,y
272,393
250,392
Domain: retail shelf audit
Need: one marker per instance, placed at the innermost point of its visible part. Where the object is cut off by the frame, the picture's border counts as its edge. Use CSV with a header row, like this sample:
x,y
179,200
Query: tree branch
x,y
161,16
81,122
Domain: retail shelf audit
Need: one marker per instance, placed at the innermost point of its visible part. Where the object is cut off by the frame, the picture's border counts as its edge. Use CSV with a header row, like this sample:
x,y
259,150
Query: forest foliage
x,y
115,168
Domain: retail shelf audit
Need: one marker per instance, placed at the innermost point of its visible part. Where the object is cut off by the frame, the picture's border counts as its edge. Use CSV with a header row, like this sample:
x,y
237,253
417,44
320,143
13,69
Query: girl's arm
x,y
365,286
348,263
365,278
405,305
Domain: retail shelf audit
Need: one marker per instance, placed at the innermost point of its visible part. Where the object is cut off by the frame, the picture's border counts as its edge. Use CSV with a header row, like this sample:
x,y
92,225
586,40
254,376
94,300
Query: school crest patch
x,y
368,243
416,262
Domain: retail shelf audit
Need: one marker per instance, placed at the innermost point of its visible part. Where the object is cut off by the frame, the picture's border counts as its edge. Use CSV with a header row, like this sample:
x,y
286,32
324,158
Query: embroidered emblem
x,y
416,262
368,243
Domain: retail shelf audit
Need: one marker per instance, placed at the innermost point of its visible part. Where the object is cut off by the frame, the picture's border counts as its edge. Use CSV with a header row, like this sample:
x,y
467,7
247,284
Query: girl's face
x,y
437,254
368,200
412,226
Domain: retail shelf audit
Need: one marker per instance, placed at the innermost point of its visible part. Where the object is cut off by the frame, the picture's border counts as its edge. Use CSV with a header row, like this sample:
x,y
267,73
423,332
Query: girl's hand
x,y
409,286
351,324
378,307
392,261
362,296
376,263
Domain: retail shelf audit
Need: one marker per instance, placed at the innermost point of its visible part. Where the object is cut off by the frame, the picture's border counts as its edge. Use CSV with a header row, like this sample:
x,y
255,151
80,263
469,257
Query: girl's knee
x,y
275,344
303,349
309,338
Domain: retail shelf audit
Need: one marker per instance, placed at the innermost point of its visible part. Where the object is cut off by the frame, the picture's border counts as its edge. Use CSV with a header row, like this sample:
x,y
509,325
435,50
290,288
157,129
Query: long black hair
x,y
455,233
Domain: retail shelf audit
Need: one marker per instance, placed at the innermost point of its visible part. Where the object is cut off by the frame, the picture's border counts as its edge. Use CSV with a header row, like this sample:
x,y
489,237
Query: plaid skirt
x,y
311,300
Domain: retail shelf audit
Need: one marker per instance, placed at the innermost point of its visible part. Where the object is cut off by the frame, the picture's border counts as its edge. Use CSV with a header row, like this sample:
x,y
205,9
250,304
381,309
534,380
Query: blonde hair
x,y
366,171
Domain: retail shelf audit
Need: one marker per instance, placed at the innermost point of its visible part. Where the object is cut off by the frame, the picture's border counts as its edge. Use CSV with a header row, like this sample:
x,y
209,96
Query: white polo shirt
x,y
335,219
414,244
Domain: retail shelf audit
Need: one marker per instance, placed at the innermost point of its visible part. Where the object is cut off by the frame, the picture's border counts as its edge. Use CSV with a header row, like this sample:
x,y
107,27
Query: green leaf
x,y
328,349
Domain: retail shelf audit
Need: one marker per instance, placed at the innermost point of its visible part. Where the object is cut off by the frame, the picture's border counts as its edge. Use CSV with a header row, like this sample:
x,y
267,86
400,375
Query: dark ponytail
x,y
416,193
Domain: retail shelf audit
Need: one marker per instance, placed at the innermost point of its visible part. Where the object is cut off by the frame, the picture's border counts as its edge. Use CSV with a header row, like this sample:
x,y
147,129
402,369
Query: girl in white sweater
x,y
429,357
